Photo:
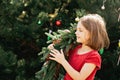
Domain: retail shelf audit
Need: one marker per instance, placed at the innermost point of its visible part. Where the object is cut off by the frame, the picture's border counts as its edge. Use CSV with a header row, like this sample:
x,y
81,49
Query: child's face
x,y
82,35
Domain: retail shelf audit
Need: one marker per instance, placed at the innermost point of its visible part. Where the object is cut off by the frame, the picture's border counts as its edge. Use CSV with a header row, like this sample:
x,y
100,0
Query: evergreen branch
x,y
62,39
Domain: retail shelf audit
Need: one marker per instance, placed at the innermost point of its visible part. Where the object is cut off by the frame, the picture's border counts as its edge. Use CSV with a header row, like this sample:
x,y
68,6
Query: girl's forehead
x,y
79,25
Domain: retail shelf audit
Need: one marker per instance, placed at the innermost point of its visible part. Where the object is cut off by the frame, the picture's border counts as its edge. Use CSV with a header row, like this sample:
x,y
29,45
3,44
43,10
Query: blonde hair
x,y
96,26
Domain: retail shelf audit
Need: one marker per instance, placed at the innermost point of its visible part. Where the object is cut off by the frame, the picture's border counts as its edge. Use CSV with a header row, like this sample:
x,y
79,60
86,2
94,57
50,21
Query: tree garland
x,y
63,39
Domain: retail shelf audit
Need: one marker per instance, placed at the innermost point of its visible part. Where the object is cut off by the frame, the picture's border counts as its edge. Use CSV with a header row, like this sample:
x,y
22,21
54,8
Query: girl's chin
x,y
78,41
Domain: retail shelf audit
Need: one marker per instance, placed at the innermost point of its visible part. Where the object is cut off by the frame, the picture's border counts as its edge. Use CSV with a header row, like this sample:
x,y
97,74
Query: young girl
x,y
84,60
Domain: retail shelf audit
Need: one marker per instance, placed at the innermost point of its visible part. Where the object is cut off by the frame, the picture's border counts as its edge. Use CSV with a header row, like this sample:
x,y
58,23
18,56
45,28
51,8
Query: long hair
x,y
96,26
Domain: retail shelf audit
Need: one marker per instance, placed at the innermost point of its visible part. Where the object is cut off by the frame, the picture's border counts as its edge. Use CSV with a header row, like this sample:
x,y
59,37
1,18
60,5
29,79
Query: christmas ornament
x,y
53,15
101,50
58,23
22,15
48,38
39,22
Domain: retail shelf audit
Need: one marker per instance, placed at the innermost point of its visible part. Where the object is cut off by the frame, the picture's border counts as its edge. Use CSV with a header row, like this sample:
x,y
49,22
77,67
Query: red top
x,y
78,60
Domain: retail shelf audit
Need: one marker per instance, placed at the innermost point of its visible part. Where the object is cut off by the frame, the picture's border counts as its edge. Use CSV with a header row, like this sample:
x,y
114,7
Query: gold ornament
x,y
54,14
21,16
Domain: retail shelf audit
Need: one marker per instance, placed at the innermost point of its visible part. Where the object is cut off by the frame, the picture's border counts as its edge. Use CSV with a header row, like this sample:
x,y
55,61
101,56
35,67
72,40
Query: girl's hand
x,y
51,46
57,56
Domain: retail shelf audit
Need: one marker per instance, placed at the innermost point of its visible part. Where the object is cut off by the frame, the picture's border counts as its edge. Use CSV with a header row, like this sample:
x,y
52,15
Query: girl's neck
x,y
84,49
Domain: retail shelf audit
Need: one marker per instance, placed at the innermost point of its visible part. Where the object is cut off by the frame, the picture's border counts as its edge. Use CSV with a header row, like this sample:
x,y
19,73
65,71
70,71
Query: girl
x,y
84,60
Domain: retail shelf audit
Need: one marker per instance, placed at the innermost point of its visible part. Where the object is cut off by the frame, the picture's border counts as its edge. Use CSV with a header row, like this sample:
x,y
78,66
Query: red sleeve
x,y
94,58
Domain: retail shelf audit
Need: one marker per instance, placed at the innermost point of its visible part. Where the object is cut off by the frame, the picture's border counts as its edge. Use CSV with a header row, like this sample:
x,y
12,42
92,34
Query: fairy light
x,y
11,2
119,43
118,14
103,6
118,53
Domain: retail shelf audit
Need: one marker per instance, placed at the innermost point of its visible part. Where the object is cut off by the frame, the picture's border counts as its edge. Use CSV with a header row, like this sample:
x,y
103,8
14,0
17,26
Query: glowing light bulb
x,y
119,43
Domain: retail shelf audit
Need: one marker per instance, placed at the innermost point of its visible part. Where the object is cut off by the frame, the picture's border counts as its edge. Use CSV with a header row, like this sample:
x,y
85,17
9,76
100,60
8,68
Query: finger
x,y
51,58
61,51
54,51
51,46
52,54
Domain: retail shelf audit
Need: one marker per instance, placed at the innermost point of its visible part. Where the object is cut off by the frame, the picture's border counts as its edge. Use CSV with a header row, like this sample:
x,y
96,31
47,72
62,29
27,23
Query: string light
x,y
26,4
118,53
48,38
77,19
118,14
103,6
119,43
39,22
11,2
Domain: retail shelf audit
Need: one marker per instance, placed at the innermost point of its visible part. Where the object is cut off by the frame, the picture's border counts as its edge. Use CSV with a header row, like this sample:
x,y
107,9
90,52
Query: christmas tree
x,y
23,24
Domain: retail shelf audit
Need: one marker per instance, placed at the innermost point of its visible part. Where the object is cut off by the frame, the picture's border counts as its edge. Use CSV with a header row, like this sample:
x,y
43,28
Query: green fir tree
x,y
23,24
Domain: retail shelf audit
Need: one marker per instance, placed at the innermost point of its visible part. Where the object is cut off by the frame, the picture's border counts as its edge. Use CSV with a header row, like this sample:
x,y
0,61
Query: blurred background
x,y
24,22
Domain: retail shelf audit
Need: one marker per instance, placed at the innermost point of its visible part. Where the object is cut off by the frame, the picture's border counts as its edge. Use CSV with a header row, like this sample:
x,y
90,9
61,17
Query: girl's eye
x,y
80,30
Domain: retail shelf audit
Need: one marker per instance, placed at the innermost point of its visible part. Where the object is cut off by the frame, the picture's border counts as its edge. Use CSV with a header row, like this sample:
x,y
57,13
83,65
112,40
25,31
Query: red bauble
x,y
58,22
